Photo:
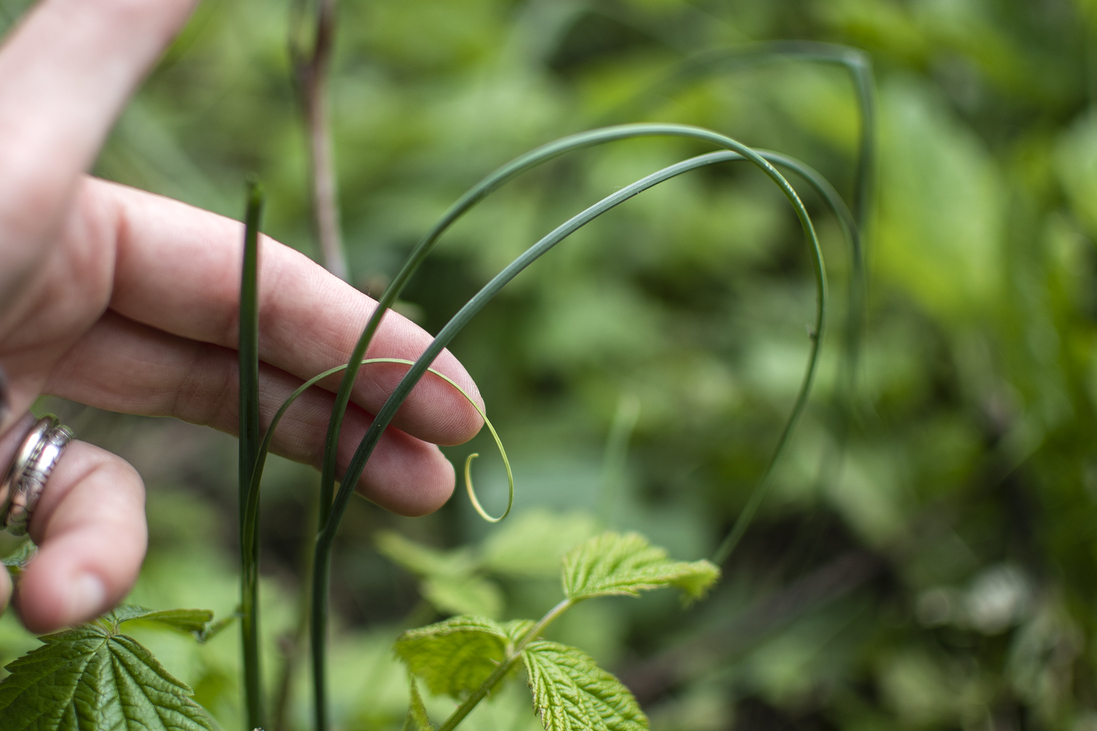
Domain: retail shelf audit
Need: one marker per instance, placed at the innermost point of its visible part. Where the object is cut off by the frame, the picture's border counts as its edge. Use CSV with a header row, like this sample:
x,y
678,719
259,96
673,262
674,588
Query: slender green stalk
x,y
249,449
296,651
500,672
476,194
616,457
250,506
311,62
326,537
342,398
850,230
251,512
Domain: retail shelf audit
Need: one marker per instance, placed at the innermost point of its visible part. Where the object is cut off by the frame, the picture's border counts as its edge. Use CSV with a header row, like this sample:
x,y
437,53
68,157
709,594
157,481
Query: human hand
x,y
127,301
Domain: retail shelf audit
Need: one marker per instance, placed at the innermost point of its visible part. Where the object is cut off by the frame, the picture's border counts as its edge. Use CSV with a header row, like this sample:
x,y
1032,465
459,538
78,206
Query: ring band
x,y
25,480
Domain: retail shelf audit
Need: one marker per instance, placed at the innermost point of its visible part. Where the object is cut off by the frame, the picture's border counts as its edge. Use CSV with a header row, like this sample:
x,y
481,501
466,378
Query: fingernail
x,y
88,598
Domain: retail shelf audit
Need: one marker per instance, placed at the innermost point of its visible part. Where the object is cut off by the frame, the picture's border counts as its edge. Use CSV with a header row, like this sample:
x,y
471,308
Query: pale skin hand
x,y
127,301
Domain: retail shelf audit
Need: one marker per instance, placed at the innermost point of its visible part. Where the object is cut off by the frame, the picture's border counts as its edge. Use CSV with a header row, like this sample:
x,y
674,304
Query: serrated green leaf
x,y
463,595
454,657
18,561
571,693
626,564
532,544
93,679
191,621
417,719
516,629
423,560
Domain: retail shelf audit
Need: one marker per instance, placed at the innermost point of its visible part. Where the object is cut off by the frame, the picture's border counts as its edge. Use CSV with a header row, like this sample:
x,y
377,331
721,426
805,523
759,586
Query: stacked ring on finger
x,y
26,478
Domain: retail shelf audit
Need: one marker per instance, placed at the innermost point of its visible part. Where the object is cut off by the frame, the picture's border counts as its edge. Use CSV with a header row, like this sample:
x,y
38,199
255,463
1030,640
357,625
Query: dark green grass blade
x,y
250,437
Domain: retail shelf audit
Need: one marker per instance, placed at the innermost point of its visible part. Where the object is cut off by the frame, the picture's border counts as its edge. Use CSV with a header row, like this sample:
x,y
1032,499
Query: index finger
x,y
65,73
178,270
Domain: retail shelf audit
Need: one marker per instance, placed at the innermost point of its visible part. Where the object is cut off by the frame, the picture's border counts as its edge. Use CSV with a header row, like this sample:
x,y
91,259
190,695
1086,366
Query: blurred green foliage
x,y
939,572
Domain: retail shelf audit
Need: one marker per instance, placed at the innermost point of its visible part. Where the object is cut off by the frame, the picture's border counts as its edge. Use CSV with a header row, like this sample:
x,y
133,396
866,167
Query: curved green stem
x,y
858,65
329,527
251,510
854,61
249,516
851,232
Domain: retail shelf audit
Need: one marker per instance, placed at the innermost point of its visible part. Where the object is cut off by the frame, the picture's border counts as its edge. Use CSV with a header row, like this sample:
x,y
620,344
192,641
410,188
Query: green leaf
x,y
615,563
417,719
571,693
941,229
516,629
455,657
463,595
191,621
215,628
532,544
423,560
93,679
1076,168
196,622
449,583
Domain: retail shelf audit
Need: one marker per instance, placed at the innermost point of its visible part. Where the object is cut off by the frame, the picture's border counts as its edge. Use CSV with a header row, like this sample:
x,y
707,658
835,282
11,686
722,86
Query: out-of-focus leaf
x,y
423,560
626,564
571,693
1076,166
463,595
532,544
923,690
941,229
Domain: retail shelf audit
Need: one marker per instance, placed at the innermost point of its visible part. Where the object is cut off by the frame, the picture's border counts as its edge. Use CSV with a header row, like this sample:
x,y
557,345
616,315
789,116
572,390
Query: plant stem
x,y
311,72
318,627
249,448
504,667
330,521
317,598
294,652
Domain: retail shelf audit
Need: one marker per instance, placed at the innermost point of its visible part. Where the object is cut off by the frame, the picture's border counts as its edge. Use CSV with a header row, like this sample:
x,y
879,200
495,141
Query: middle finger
x,y
121,365
178,270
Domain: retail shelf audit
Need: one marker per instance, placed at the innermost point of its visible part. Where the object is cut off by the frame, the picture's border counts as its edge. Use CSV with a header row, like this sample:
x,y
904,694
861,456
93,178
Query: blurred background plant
x,y
937,573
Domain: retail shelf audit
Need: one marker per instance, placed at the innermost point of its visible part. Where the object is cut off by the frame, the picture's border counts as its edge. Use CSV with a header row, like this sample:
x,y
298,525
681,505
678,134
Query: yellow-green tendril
x,y
468,462
472,493
252,503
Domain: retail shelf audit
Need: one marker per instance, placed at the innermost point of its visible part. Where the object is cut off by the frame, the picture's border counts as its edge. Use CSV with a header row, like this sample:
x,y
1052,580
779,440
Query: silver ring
x,y
25,480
